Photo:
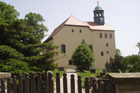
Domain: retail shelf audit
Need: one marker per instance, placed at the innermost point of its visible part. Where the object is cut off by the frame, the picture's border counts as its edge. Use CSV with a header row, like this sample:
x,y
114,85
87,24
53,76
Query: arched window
x,y
80,31
105,35
63,48
110,35
101,36
90,46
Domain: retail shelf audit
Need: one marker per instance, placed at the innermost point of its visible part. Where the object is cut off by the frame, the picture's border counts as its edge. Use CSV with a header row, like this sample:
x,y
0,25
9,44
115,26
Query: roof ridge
x,y
70,21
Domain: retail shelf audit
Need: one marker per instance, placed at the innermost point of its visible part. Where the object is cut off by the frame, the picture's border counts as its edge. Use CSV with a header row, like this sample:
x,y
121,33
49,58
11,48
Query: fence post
x,y
72,84
39,84
8,85
26,83
94,87
32,83
86,85
14,85
20,84
51,89
2,86
46,82
65,83
79,85
101,87
57,83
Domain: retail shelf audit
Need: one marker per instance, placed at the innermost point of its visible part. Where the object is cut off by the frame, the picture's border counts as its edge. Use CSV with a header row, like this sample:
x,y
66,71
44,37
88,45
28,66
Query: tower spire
x,y
98,2
99,14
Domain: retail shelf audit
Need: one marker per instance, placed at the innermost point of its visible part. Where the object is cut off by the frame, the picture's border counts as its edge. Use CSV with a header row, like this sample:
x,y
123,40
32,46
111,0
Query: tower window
x,y
101,36
90,46
80,31
110,35
63,48
72,30
102,53
105,35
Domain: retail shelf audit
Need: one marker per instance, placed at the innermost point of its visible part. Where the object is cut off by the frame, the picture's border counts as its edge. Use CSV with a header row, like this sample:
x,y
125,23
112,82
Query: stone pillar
x,y
4,75
126,82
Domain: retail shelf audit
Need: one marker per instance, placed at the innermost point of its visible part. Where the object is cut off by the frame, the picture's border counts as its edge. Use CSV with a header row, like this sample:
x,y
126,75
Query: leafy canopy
x,y
20,42
82,56
132,63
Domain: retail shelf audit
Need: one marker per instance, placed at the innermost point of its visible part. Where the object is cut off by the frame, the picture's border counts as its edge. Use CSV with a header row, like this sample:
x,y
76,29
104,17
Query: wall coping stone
x,y
4,75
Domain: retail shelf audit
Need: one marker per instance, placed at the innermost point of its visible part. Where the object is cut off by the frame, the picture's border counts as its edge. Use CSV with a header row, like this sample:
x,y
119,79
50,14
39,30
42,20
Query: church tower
x,y
99,15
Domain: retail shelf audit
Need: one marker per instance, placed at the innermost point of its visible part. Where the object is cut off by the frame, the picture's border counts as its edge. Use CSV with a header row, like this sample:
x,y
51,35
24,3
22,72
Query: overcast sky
x,y
122,15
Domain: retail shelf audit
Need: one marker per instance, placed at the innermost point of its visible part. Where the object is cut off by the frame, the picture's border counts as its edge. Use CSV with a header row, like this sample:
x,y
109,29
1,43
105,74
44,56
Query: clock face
x,y
101,18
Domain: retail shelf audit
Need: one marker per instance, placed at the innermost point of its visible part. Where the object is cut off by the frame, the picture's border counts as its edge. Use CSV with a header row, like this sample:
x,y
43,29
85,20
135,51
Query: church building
x,y
98,35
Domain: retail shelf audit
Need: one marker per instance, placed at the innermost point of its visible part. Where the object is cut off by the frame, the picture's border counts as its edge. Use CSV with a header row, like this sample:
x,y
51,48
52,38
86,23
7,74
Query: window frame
x,y
63,48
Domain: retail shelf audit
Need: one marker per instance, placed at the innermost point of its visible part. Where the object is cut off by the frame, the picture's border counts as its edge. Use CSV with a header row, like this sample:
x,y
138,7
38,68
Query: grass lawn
x,y
87,74
57,71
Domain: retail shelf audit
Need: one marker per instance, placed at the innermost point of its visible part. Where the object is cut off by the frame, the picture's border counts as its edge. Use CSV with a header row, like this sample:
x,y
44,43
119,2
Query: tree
x,y
116,63
83,57
7,12
118,52
132,63
138,44
19,43
36,21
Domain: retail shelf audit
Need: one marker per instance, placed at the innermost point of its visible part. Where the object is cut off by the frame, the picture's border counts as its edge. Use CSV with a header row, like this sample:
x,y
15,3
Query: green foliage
x,y
83,57
14,66
7,12
132,63
36,21
118,52
20,41
115,64
7,52
85,74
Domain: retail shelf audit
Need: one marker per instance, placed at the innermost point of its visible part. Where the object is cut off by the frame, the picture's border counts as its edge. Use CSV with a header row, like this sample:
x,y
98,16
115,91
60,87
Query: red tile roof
x,y
72,21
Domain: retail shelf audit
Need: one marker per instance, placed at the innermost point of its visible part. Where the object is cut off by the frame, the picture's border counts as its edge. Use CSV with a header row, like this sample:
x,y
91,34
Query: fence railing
x,y
44,83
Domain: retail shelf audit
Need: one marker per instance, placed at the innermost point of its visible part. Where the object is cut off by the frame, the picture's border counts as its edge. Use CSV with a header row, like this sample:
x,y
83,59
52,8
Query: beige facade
x,y
71,32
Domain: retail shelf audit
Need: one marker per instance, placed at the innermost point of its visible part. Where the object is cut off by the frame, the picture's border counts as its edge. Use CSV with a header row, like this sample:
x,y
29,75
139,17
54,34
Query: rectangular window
x,y
70,62
80,31
72,30
107,52
101,36
107,45
102,53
